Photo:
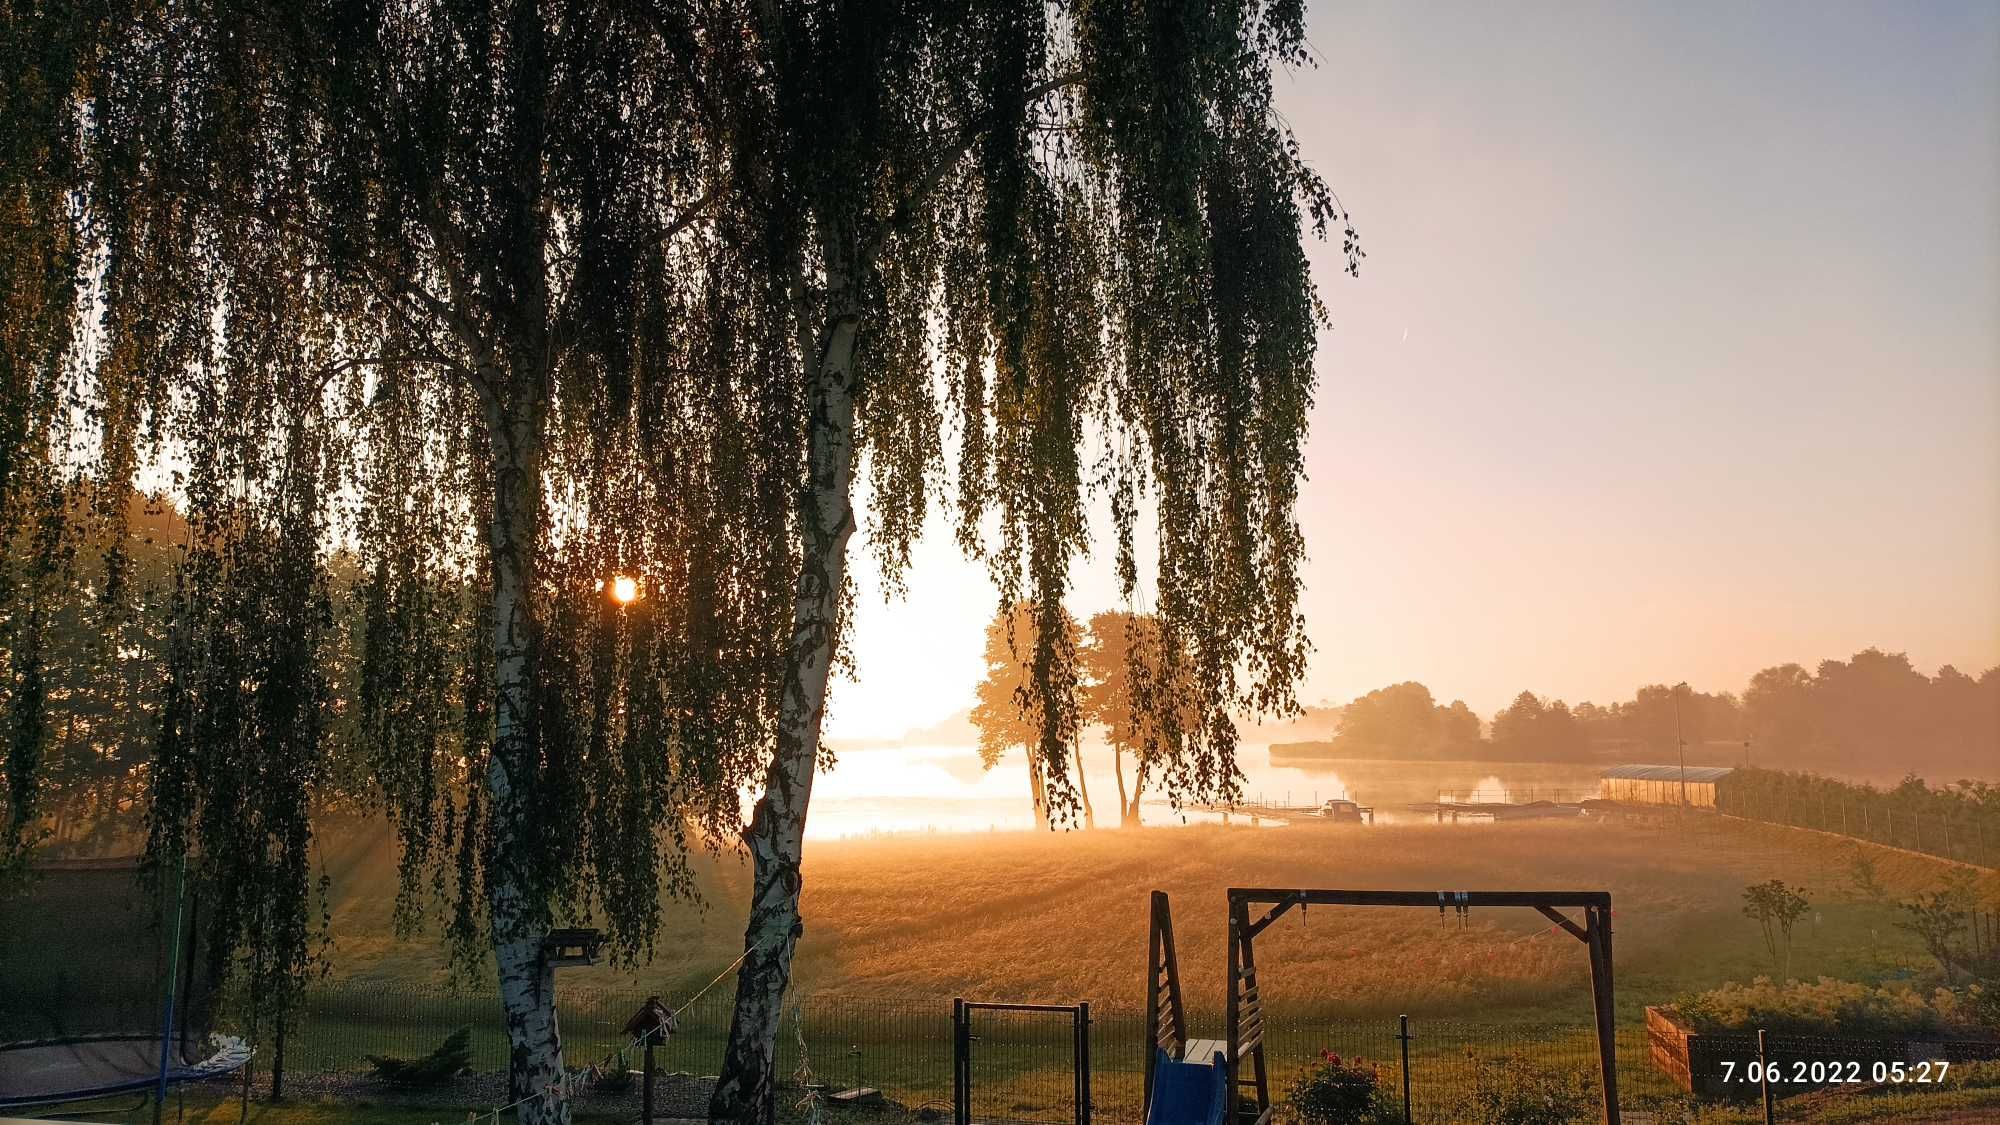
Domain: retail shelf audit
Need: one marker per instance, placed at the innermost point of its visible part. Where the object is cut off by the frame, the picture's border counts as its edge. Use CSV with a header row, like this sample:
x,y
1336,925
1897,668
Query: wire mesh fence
x,y
1926,823
1022,1066
846,1040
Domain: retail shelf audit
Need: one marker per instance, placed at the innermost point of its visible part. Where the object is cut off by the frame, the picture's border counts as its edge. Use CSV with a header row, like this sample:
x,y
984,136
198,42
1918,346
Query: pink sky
x,y
1676,354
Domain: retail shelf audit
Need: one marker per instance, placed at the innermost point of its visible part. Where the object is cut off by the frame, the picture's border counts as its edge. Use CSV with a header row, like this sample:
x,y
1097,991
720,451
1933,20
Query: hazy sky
x,y
1676,354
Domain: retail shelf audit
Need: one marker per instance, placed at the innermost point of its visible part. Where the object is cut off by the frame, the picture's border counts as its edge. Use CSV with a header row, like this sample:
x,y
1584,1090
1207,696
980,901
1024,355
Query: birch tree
x,y
1069,235
509,298
447,287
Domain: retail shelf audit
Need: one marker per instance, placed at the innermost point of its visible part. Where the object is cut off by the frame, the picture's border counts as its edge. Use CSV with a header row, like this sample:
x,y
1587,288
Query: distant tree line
x,y
1872,709
105,670
1858,714
101,672
1403,720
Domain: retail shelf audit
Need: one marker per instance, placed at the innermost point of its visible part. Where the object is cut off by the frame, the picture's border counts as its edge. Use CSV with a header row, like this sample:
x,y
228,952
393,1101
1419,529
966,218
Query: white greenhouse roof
x,y
1667,773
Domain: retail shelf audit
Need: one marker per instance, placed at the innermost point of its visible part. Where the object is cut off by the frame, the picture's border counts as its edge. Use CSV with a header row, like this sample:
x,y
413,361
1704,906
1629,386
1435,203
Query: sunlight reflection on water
x,y
913,789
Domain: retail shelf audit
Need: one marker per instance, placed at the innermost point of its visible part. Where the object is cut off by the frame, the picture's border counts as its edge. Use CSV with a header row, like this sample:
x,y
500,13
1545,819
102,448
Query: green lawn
x,y
896,927
206,1109
1937,1106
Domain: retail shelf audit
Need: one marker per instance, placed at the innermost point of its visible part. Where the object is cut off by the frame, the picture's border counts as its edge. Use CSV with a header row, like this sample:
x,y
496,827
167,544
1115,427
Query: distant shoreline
x,y
1322,751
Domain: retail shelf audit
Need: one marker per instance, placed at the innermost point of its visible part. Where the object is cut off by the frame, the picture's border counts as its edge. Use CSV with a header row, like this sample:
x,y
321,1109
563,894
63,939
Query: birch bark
x,y
527,984
776,836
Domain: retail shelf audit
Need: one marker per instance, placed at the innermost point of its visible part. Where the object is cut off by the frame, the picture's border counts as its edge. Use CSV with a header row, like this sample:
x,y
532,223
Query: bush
x,y
449,1060
1973,1075
1508,1090
1982,1001
1334,1091
1834,1007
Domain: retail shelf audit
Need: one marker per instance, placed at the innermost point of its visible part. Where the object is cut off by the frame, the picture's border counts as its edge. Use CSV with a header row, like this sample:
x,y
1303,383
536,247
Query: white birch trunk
x,y
745,1092
527,984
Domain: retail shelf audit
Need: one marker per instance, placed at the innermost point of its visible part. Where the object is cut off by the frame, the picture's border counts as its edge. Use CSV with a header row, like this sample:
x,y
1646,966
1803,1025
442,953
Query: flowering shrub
x,y
1336,1091
1832,1007
1508,1090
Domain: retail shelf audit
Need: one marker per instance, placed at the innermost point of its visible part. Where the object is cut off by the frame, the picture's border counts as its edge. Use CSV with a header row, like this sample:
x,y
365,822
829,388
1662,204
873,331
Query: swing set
x,y
1173,1059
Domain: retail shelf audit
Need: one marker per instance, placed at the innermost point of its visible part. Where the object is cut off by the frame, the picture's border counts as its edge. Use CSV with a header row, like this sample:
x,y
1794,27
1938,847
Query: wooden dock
x,y
1500,810
1290,814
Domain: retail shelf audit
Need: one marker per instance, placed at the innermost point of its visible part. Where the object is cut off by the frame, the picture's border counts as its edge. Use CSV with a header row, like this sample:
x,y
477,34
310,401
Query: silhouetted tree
x,y
523,295
1006,708
1776,908
1404,721
1458,726
1128,689
453,284
1528,728
103,669
1400,718
1084,221
1871,709
1778,709
1940,918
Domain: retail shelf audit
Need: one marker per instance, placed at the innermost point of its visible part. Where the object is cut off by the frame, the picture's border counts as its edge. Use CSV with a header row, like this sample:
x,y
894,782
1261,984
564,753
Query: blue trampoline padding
x,y
1189,1093
47,1072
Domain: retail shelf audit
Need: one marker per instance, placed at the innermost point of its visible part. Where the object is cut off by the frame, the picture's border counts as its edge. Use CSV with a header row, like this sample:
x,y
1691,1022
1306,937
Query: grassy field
x,y
1061,917
897,926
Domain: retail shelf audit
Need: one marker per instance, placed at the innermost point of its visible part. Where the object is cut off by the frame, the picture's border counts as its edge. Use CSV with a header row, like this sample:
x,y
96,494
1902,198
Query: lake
x,y
904,789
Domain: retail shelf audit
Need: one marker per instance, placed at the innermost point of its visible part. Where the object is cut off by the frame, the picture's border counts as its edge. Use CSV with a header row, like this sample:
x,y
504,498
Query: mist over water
x,y
915,789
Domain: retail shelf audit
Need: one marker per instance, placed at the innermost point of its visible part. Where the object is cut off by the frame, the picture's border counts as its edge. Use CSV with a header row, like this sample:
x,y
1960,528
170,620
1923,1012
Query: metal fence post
x,y
1764,1079
1083,1063
1403,1036
961,1111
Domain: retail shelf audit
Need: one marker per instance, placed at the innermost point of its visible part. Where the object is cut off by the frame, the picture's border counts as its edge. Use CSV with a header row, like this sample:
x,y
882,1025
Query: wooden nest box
x,y
652,1023
572,947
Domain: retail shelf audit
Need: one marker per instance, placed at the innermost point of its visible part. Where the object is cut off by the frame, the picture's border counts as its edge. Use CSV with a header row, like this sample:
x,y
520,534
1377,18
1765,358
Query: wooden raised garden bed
x,y
1723,1065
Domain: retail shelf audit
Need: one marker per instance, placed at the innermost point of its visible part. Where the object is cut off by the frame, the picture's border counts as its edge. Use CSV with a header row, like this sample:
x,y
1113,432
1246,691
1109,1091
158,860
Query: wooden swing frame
x,y
1166,1015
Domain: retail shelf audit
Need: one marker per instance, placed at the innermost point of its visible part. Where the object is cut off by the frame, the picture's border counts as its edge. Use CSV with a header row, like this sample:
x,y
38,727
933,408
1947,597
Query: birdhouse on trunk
x,y
572,947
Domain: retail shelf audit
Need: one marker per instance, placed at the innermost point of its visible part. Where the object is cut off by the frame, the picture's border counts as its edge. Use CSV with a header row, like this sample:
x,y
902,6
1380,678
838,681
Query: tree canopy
x,y
1006,707
1138,695
1404,721
504,301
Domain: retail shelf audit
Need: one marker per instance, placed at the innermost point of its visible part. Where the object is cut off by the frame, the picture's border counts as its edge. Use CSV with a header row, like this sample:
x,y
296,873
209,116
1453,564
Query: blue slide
x,y
1189,1093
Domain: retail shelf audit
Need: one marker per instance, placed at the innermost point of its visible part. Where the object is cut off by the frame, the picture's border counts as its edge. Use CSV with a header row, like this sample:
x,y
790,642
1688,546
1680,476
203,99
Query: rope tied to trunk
x,y
566,1085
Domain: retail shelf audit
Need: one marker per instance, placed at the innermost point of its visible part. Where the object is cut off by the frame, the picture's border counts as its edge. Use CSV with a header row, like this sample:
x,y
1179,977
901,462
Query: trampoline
x,y
47,1071
127,1011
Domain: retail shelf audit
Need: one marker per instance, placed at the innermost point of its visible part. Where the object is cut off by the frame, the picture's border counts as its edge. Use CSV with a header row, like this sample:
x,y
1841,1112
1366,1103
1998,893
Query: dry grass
x,y
1023,916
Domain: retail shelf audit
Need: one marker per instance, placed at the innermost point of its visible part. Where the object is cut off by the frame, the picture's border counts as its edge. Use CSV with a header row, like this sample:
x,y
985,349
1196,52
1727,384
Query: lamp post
x,y
1681,743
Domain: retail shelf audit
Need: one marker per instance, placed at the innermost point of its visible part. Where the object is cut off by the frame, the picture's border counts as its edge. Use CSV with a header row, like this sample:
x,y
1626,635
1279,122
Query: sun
x,y
624,590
